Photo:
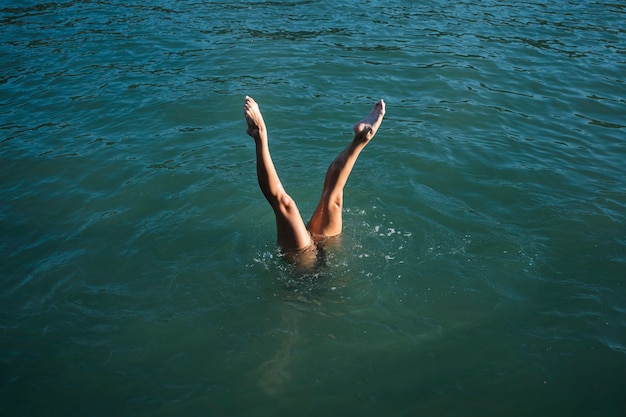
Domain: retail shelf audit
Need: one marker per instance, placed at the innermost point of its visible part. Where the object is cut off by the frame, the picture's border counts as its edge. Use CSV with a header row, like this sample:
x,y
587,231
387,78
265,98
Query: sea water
x,y
482,264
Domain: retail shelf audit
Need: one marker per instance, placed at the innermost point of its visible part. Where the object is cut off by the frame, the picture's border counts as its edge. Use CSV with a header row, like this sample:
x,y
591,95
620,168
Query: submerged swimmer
x,y
294,237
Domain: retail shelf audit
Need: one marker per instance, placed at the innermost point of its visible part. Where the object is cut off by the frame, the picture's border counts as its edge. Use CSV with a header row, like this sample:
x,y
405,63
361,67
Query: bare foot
x,y
254,119
365,130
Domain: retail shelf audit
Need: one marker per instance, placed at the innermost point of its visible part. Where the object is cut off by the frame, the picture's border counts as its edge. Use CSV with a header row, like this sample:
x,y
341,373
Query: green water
x,y
481,269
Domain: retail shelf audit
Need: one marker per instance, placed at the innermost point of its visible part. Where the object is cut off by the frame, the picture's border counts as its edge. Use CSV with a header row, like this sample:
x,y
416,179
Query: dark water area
x,y
482,266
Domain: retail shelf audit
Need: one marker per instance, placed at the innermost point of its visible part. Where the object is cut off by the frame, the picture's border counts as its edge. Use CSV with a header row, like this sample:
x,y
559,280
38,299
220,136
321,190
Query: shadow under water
x,y
306,278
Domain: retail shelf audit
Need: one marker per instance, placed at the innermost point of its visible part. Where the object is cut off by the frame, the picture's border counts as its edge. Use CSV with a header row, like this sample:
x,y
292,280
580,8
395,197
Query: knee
x,y
335,201
285,203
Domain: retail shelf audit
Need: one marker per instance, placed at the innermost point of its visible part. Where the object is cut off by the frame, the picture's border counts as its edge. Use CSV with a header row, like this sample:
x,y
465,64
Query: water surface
x,y
482,264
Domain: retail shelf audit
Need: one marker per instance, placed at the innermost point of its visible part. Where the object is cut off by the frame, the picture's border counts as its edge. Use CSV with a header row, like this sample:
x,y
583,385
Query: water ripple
x,y
489,212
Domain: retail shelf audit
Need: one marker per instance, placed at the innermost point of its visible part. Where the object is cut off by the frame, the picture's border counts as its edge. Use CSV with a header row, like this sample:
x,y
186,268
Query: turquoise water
x,y
481,270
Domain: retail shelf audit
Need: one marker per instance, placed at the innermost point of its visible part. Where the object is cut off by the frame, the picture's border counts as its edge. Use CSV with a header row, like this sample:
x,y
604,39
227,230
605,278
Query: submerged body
x,y
294,236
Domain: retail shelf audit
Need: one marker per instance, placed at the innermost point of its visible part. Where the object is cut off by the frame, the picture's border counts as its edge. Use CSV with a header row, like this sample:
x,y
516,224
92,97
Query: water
x,y
481,270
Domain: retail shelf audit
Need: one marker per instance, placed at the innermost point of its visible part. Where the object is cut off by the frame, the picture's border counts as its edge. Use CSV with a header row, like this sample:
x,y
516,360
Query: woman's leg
x,y
327,218
291,230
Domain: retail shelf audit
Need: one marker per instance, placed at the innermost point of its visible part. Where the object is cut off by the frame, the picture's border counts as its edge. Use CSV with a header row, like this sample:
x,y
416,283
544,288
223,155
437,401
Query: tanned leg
x,y
327,218
291,230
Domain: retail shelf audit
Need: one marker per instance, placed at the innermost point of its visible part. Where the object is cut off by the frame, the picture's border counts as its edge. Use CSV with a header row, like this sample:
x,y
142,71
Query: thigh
x,y
291,230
